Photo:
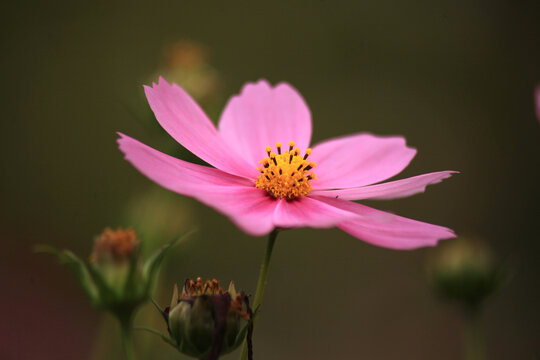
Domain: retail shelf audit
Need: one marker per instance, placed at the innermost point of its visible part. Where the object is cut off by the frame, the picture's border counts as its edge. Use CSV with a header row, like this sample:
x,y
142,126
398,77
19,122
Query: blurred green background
x,y
455,78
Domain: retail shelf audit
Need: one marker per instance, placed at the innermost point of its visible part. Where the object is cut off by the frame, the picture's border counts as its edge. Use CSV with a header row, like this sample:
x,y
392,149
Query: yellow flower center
x,y
286,175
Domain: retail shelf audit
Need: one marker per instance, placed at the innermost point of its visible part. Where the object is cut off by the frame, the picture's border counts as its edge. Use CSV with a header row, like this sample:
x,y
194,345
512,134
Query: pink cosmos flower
x,y
263,171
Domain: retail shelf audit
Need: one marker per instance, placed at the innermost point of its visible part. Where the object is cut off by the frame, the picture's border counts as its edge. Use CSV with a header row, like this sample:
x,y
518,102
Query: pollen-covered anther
x,y
286,175
196,288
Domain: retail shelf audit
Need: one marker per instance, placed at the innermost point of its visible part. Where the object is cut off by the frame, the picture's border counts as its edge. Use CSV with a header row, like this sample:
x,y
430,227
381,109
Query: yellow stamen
x,y
291,145
286,175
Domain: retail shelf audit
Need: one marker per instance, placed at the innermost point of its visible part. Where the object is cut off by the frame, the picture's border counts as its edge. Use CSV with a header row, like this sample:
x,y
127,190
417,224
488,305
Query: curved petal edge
x,y
236,197
187,123
389,190
358,160
387,230
262,115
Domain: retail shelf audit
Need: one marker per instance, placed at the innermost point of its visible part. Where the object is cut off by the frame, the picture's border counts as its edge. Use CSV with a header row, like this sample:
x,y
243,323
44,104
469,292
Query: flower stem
x,y
474,337
261,283
127,344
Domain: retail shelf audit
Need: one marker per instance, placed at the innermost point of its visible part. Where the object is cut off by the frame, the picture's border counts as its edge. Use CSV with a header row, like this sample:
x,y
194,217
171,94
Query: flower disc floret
x,y
286,175
117,245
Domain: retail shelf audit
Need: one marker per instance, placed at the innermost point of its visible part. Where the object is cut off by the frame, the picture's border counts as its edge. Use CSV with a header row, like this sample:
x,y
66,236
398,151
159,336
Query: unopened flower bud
x,y
206,321
116,279
464,270
116,258
187,63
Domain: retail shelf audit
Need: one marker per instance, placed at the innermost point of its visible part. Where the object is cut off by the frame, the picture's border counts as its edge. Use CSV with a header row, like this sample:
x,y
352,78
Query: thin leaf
x,y
76,265
167,339
156,305
151,266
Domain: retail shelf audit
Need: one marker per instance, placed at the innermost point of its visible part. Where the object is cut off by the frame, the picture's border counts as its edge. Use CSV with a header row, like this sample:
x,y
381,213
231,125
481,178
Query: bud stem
x,y
125,329
261,284
474,337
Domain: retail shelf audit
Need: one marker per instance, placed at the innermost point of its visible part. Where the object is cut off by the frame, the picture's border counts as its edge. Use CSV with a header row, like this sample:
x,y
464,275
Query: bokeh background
x,y
455,78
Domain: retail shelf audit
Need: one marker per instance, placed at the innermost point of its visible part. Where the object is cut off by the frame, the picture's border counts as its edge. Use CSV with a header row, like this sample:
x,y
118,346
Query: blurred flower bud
x,y
186,63
537,101
204,321
116,279
464,270
158,215
116,267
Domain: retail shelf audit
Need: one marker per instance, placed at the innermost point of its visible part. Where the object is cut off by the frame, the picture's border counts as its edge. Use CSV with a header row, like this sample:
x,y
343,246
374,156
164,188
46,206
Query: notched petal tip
x,y
445,234
124,141
448,174
162,81
259,83
249,87
121,140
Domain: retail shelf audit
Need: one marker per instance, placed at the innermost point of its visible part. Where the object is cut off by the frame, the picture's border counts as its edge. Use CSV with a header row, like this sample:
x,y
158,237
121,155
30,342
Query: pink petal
x,y
187,123
248,207
390,190
388,230
262,116
307,212
358,160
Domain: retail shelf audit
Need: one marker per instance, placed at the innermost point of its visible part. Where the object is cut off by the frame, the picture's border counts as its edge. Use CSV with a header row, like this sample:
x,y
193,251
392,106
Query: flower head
x,y
286,175
262,167
205,321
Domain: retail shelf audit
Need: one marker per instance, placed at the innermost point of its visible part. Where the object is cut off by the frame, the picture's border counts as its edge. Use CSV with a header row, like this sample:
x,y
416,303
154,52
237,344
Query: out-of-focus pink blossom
x,y
537,101
262,175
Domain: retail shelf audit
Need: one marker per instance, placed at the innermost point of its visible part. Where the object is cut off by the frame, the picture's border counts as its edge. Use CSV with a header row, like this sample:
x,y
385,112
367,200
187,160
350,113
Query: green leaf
x,y
151,266
156,305
241,335
167,339
77,266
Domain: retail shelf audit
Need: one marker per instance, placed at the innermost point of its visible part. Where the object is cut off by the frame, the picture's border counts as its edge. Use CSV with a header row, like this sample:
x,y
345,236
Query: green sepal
x,y
242,333
133,289
107,297
163,314
152,264
77,266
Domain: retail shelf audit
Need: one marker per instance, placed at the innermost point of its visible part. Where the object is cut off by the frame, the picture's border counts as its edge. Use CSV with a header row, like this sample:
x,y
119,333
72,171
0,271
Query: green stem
x,y
474,337
261,283
125,329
